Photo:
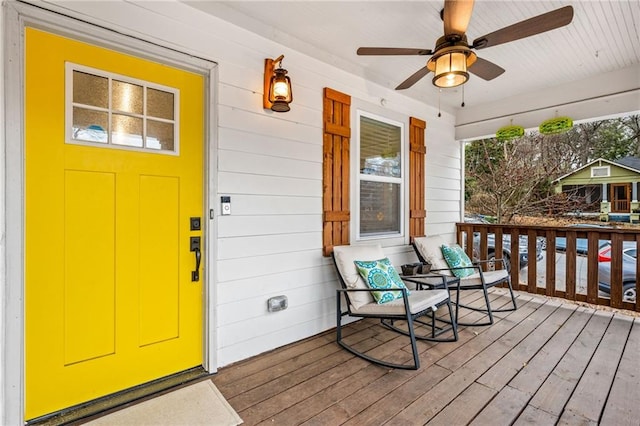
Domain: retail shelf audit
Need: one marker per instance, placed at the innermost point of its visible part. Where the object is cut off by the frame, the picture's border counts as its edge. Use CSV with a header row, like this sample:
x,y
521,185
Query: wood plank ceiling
x,y
603,37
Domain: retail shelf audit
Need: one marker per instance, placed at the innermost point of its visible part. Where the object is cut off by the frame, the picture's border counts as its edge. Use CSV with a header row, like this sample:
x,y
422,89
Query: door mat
x,y
197,404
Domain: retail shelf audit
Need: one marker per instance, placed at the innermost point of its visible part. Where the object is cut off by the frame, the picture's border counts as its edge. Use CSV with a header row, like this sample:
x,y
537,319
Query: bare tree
x,y
515,177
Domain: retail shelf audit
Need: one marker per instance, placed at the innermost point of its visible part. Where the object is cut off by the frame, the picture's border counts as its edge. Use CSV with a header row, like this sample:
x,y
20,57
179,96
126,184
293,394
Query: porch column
x,y
634,191
604,193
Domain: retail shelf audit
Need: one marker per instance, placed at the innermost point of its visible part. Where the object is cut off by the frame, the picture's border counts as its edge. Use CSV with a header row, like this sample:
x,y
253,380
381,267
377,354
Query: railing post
x,y
551,264
570,265
592,267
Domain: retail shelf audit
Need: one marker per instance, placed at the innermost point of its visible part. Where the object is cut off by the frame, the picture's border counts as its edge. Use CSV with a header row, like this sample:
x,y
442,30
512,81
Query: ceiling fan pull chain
x,y
462,105
439,92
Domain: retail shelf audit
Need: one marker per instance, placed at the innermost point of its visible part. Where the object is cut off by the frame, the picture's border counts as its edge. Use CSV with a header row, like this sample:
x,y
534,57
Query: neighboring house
x,y
151,206
607,189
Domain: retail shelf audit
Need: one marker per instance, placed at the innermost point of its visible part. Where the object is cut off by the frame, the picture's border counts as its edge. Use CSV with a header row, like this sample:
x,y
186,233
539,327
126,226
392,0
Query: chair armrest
x,y
488,260
371,290
474,266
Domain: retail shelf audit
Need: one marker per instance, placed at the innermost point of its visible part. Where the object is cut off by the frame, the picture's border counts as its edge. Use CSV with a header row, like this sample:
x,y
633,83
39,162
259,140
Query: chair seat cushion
x,y
490,278
419,301
380,274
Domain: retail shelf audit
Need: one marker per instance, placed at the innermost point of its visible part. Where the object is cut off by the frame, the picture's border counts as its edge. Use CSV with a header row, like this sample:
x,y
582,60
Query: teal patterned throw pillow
x,y
457,258
380,274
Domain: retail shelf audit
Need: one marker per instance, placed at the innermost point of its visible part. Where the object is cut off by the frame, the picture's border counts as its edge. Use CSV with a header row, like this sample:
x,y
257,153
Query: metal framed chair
x,y
412,307
428,249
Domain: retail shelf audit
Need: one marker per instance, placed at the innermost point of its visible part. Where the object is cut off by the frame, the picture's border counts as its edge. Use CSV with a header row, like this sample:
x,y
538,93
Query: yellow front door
x,y
114,174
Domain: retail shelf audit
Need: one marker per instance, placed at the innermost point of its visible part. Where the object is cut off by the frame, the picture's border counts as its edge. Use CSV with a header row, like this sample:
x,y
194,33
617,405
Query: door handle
x,y
194,246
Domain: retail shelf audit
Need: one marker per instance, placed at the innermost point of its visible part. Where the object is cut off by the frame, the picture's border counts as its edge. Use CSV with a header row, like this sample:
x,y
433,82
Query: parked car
x,y
523,248
629,255
582,244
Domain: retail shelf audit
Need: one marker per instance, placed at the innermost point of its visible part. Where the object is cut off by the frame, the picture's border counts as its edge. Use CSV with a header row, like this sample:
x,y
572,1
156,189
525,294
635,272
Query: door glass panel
x,y
89,125
160,135
127,97
127,130
160,104
121,111
90,89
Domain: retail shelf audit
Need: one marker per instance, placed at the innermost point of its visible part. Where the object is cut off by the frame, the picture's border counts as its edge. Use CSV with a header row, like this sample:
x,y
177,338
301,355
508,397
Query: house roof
x,y
629,163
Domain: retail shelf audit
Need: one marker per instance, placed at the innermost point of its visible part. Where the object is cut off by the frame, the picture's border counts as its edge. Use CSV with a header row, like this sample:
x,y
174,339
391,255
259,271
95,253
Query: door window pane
x,y
127,97
90,89
160,104
126,130
159,135
90,125
120,111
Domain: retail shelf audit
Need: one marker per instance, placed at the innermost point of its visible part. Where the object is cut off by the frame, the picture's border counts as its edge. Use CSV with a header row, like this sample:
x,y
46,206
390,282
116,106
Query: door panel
x,y
89,320
109,301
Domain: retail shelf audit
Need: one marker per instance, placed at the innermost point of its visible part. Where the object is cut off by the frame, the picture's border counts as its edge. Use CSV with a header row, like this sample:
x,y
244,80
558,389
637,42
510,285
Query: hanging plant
x,y
556,125
509,132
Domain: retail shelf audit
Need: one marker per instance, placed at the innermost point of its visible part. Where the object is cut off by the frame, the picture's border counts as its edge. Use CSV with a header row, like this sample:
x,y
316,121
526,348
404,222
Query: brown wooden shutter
x,y
335,168
417,151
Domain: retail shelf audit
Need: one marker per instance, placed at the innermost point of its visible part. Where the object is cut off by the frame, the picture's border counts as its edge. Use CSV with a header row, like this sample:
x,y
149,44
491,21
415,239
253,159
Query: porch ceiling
x,y
588,69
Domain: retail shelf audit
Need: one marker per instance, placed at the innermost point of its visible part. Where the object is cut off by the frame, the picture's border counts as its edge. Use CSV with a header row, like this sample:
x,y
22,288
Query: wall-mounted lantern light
x,y
277,86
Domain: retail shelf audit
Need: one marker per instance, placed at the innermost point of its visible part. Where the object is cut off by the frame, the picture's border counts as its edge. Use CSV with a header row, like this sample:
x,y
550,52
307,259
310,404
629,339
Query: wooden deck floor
x,y
547,363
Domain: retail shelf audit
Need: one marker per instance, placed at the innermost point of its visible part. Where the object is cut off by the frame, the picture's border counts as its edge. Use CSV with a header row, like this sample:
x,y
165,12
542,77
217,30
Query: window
x,y
603,171
380,178
117,111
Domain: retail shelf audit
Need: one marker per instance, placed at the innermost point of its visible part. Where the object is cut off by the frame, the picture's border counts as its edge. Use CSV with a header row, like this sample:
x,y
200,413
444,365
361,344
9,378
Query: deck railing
x,y
567,274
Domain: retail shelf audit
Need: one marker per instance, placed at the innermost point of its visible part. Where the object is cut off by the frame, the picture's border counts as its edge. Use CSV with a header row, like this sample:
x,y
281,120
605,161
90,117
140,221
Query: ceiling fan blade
x,y
536,25
486,70
414,78
456,16
392,51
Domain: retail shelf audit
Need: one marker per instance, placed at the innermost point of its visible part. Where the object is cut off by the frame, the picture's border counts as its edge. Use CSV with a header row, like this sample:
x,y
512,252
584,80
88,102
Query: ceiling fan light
x,y
450,70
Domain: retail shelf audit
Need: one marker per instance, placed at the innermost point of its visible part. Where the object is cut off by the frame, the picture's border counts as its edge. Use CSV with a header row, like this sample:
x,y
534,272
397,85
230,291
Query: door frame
x,y
613,198
13,20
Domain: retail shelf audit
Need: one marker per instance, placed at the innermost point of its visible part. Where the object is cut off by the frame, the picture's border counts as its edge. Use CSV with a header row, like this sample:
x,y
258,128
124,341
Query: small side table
x,y
432,281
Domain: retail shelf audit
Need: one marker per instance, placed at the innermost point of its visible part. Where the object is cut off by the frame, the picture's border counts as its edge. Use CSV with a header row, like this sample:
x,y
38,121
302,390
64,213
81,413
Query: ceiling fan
x,y
453,56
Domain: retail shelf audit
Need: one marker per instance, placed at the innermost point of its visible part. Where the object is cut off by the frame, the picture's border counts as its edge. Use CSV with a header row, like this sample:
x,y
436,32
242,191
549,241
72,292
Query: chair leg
x,y
411,334
487,311
454,320
513,300
434,329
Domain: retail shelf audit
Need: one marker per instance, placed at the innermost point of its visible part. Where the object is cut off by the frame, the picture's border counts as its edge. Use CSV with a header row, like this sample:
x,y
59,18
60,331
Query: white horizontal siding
x,y
244,226
270,164
263,205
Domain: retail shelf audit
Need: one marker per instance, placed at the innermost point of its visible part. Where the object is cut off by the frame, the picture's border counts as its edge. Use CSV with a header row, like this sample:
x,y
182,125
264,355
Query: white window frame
x,y
607,168
403,181
69,104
